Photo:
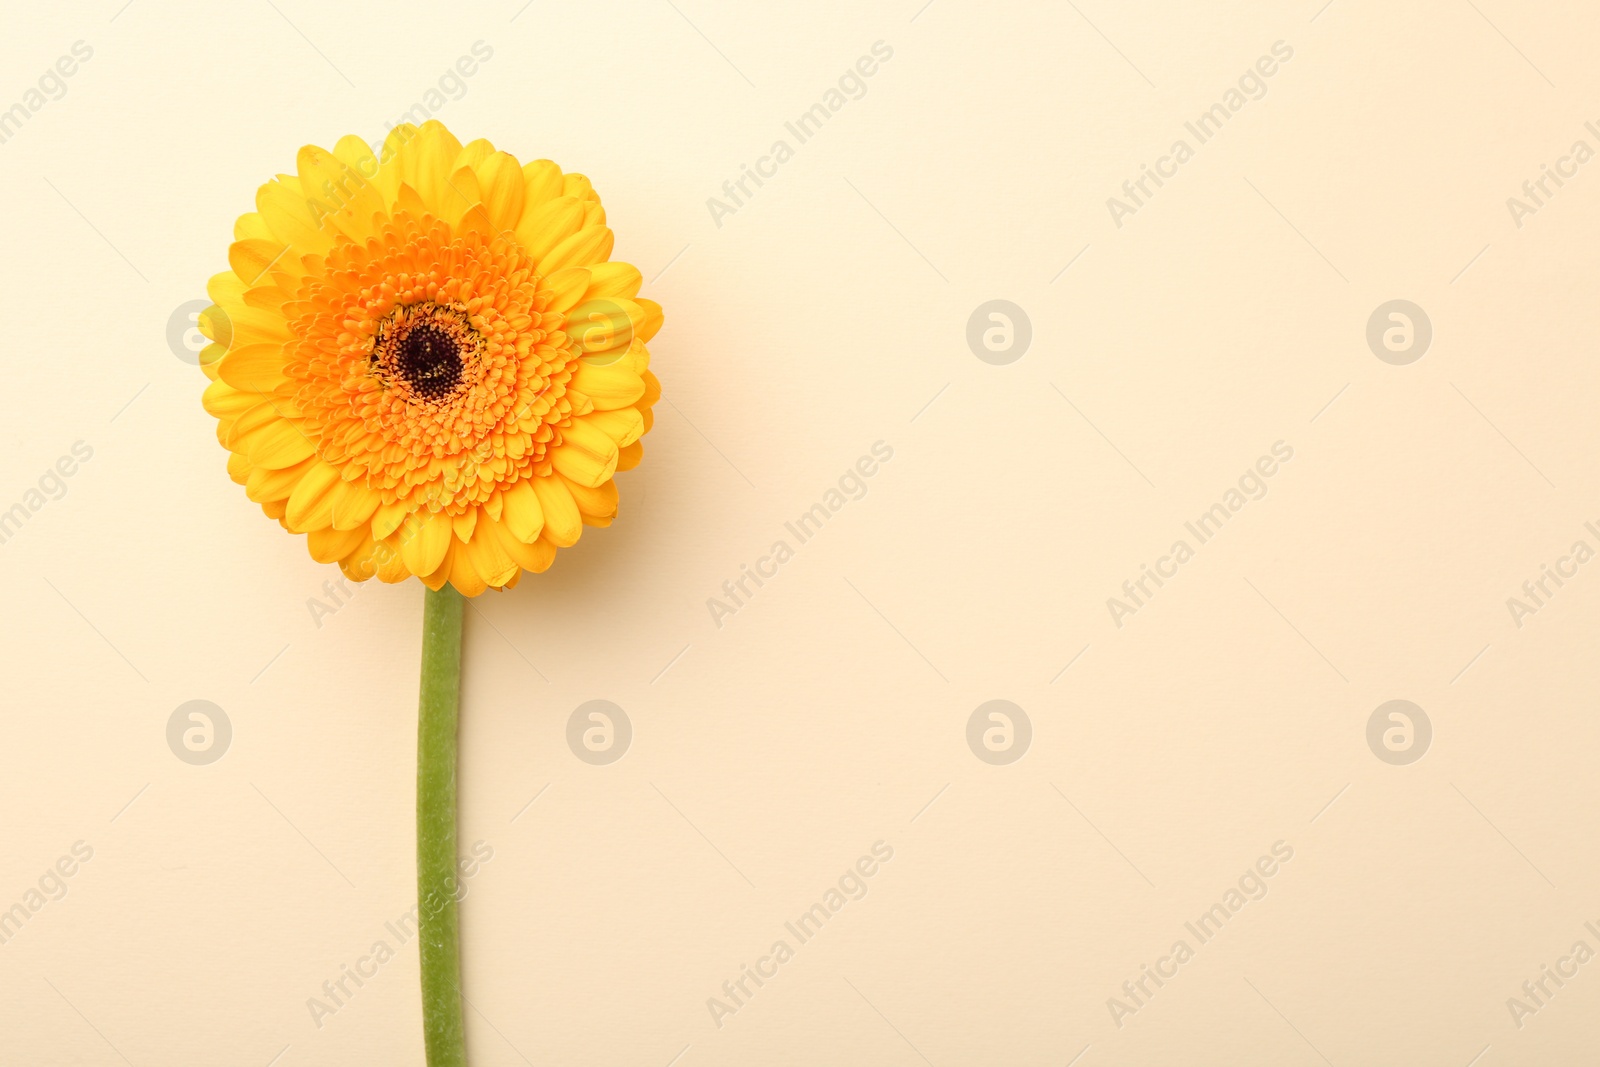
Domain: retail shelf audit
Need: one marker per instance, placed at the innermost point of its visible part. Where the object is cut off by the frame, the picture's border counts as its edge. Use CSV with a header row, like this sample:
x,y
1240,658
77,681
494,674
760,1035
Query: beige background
x,y
828,313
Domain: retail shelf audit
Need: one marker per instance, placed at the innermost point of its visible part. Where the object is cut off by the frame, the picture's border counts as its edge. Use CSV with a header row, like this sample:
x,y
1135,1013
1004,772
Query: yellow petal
x,y
251,227
535,557
610,385
337,187
289,218
265,485
425,541
358,564
637,357
596,504
462,199
547,225
328,545
225,402
583,248
394,145
502,183
441,574
211,361
614,279
251,258
492,563
622,425
254,368
462,572
427,163
254,326
585,455
567,286
563,524
541,182
277,445
628,456
475,218
352,505
309,503
472,154
604,325
356,155
226,288
387,519
579,186
652,321
391,568
215,323
234,430
522,514
409,200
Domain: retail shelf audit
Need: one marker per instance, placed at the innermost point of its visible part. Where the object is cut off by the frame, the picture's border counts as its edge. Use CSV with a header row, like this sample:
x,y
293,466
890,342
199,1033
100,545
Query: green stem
x,y
438,929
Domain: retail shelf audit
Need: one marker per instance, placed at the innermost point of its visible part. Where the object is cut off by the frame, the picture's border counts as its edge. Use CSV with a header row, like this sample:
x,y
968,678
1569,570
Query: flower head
x,y
425,361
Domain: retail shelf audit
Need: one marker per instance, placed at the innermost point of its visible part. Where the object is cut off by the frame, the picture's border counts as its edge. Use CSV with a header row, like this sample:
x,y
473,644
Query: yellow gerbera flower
x,y
425,361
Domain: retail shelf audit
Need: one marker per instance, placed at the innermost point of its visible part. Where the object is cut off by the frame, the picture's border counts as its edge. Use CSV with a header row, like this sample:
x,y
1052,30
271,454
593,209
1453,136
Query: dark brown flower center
x,y
426,352
430,360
